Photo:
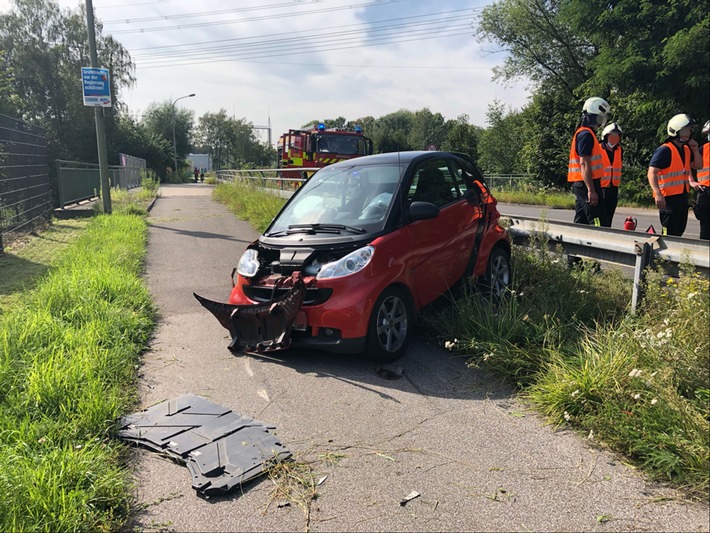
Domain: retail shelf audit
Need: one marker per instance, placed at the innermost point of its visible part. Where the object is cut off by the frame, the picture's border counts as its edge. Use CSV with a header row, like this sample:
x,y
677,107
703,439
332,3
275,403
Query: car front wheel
x,y
499,274
390,326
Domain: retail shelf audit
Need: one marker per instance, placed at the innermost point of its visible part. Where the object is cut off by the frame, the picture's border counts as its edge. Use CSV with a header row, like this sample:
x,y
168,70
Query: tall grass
x,y
637,383
68,357
249,202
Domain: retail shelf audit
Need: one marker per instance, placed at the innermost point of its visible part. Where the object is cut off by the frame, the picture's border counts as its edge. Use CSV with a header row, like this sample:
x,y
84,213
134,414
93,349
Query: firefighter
x,y
669,173
611,158
702,188
585,163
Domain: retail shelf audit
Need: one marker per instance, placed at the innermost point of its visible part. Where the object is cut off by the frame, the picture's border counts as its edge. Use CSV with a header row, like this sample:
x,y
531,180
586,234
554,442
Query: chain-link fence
x,y
25,192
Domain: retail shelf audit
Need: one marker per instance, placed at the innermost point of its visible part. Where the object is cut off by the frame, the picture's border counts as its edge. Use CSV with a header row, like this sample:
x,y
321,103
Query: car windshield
x,y
356,196
340,144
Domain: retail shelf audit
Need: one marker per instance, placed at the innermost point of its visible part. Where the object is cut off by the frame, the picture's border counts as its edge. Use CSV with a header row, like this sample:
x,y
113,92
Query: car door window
x,y
434,182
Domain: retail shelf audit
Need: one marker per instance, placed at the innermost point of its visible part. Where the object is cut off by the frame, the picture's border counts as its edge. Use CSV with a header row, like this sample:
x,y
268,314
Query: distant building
x,y
200,161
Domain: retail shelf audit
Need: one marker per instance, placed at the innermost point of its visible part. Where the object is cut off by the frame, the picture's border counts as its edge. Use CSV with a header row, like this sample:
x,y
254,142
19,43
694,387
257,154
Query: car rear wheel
x,y
390,326
499,274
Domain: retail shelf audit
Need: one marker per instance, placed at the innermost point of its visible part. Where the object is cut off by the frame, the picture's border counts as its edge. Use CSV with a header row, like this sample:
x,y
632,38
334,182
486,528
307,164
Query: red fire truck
x,y
317,147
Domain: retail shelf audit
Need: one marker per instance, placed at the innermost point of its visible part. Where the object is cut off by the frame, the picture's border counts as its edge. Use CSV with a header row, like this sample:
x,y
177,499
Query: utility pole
x,y
99,115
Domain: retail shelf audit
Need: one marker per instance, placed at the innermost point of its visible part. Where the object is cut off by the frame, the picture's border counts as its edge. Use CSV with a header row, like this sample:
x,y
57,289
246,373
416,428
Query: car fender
x,y
494,236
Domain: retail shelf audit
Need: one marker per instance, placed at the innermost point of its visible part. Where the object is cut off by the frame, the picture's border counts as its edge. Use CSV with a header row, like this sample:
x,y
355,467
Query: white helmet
x,y
612,128
599,107
679,122
706,128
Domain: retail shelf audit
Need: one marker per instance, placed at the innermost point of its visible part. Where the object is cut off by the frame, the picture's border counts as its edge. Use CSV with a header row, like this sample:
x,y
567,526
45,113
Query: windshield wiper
x,y
327,228
312,229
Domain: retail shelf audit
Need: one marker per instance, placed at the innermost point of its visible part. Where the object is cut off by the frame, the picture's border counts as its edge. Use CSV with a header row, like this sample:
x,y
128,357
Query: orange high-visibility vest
x,y
574,171
674,179
612,170
704,173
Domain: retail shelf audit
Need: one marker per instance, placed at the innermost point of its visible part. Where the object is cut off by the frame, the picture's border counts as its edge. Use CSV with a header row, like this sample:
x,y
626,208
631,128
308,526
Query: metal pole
x,y
174,143
99,116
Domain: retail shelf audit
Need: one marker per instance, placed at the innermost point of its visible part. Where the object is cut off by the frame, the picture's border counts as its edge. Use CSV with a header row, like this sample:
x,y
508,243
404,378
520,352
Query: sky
x,y
290,62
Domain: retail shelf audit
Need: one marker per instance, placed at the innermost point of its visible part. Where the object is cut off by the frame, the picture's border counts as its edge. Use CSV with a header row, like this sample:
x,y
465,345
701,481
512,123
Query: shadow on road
x,y
425,367
201,234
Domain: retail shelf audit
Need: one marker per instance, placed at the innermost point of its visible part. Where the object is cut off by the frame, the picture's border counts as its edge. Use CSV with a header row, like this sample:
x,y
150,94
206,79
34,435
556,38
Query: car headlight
x,y
248,264
351,263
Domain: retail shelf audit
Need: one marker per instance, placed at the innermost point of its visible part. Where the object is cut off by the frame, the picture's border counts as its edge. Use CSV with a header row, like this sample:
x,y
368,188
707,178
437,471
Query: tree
x,y
541,42
134,138
462,137
9,100
427,129
500,141
231,142
158,120
44,49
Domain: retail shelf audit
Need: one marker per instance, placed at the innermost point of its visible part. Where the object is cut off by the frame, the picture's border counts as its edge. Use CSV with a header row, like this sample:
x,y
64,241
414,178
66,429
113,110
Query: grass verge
x,y
249,202
69,351
553,200
638,384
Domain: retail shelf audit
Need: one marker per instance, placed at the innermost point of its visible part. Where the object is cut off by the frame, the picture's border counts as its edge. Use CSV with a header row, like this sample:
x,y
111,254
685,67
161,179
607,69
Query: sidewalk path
x,y
479,458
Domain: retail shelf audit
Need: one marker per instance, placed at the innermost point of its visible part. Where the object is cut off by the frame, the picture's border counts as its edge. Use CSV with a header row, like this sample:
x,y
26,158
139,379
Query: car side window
x,y
434,182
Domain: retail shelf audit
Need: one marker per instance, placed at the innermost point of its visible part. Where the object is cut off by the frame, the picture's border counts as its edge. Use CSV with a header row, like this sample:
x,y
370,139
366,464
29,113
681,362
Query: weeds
x,y
249,202
639,384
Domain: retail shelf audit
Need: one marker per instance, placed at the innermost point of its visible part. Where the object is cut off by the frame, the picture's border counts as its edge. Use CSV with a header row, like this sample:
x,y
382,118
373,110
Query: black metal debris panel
x,y
221,448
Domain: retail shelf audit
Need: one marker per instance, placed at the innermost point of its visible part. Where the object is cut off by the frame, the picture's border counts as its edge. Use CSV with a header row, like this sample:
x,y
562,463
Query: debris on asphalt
x,y
409,497
221,449
321,481
388,373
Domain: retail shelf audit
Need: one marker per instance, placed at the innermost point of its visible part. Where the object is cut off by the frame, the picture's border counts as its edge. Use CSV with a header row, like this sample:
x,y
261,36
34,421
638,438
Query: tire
x,y
390,326
499,274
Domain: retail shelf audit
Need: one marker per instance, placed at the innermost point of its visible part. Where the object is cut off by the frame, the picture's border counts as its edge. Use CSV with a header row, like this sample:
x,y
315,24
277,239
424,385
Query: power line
x,y
300,51
254,19
370,25
320,40
200,13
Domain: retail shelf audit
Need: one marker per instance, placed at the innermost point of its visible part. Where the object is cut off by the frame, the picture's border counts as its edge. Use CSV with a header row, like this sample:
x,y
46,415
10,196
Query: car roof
x,y
393,157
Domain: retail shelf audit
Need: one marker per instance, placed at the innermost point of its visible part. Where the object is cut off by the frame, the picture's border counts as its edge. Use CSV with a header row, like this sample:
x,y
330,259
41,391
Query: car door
x,y
441,247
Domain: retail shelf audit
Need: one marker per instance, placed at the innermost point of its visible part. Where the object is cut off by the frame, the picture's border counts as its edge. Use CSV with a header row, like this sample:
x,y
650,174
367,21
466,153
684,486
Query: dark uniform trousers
x,y
585,213
674,217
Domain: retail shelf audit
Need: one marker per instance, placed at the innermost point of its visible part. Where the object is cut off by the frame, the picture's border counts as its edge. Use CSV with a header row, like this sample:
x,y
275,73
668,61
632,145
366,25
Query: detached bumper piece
x,y
259,327
222,449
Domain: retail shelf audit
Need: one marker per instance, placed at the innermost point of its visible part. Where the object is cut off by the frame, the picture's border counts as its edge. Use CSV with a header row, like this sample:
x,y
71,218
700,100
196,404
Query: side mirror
x,y
423,211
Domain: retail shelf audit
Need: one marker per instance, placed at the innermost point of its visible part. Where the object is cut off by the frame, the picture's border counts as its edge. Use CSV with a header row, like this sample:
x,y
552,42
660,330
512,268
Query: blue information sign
x,y
97,89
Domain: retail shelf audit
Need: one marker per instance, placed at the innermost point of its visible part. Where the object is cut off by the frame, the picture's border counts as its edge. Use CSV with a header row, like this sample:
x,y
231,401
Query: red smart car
x,y
359,249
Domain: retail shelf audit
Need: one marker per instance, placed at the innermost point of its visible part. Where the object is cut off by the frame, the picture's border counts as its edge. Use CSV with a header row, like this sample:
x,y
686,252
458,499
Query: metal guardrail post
x,y
644,258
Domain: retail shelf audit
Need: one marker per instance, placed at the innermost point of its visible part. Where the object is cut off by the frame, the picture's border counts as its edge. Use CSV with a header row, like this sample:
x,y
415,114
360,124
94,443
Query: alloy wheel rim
x,y
392,323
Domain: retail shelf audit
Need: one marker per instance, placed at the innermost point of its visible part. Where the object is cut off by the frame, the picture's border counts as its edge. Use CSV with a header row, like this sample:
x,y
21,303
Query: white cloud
x,y
294,89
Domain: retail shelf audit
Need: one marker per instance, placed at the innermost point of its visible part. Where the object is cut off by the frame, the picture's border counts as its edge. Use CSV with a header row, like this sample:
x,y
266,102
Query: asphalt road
x,y
479,457
644,217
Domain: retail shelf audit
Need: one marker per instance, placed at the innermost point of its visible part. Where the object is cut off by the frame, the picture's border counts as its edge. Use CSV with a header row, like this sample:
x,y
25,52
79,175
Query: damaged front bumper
x,y
260,327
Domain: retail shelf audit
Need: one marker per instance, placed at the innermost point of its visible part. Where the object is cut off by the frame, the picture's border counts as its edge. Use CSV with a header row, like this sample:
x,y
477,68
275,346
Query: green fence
x,y
25,193
79,181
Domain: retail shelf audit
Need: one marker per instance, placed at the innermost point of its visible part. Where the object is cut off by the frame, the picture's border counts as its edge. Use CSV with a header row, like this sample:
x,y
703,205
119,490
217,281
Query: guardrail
x,y
622,248
276,181
496,181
